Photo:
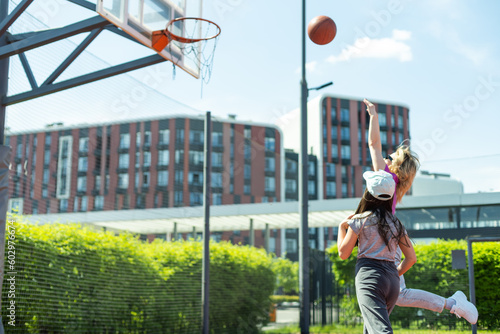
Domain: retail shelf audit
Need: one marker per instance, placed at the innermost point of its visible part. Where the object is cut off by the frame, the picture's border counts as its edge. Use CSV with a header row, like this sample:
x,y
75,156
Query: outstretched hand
x,y
370,108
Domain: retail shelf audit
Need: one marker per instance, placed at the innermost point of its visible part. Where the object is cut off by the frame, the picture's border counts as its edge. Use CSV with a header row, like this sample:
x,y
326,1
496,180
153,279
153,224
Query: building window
x,y
195,198
291,186
345,133
179,135
247,172
344,115
75,204
248,151
64,167
334,133
163,157
147,159
84,204
178,197
217,139
146,179
179,177
291,166
196,158
179,156
270,164
81,184
269,184
196,137
344,189
46,157
331,189
48,139
311,187
382,119
147,138
138,139
216,159
123,160
216,199
216,180
383,137
330,169
124,140
246,189
247,133
311,168
123,180
333,113
97,181
164,137
269,144
195,178
163,178
400,121
83,144
19,152
63,205
137,179
335,151
82,164
137,159
98,202
346,151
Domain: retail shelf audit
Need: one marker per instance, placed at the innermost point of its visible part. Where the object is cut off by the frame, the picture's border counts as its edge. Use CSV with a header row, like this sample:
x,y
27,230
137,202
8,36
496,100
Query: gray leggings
x,y
377,290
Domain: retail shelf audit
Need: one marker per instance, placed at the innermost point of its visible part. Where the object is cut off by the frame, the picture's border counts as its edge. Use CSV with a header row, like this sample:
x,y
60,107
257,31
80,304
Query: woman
x,y
379,234
403,166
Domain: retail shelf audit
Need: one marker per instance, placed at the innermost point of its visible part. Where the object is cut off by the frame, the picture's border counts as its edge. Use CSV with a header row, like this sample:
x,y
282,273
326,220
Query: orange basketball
x,y
322,30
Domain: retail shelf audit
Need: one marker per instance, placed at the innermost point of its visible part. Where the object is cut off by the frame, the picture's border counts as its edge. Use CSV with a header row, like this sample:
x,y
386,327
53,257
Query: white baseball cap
x,y
380,184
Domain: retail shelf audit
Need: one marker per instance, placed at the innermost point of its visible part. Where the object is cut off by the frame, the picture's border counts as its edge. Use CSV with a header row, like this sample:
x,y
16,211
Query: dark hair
x,y
382,210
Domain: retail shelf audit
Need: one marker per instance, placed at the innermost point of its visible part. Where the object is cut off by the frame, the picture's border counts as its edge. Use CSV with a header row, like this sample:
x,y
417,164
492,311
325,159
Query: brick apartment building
x,y
142,164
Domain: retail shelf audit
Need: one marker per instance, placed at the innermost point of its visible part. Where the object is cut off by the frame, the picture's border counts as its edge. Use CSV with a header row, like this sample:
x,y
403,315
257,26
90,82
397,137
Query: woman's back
x,y
371,243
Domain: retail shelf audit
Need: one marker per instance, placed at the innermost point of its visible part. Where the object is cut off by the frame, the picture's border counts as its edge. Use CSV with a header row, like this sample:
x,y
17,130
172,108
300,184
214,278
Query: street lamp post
x,y
303,194
305,312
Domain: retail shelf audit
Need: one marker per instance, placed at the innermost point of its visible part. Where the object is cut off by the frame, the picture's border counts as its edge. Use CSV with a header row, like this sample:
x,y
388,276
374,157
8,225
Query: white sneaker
x,y
463,308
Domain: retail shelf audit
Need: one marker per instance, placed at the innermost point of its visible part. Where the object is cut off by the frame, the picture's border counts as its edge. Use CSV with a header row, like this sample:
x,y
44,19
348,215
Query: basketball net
x,y
191,40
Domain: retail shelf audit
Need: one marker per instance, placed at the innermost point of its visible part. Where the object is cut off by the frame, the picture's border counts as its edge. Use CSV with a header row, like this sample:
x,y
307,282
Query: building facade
x,y
148,163
338,136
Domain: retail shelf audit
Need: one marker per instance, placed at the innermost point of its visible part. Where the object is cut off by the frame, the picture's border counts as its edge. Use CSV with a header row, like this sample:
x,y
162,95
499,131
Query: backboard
x,y
139,18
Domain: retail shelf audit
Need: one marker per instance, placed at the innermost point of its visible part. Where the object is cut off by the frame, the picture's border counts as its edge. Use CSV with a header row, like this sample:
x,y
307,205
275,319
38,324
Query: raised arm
x,y
374,142
410,256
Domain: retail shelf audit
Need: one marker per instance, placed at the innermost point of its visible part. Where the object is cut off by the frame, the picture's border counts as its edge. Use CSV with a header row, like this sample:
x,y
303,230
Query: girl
x,y
379,235
403,165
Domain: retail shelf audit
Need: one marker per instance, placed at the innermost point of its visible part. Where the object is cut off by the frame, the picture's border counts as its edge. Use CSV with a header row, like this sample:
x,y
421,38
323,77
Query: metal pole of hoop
x,y
305,313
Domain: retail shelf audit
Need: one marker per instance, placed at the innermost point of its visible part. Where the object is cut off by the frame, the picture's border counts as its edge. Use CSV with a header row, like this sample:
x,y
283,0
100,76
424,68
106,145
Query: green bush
x,y
71,279
278,299
287,273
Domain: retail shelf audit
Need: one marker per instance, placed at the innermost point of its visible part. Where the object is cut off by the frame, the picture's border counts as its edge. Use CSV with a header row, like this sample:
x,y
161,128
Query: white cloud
x,y
384,48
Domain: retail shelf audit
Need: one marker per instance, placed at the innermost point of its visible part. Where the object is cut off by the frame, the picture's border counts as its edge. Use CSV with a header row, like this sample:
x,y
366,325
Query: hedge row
x,y
71,279
433,272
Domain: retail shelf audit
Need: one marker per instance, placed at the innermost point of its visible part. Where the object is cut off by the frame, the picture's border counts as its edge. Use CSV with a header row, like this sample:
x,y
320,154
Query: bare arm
x,y
410,256
346,240
374,142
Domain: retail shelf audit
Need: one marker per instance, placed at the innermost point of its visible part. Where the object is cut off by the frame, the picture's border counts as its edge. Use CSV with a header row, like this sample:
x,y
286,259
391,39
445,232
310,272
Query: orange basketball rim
x,y
161,38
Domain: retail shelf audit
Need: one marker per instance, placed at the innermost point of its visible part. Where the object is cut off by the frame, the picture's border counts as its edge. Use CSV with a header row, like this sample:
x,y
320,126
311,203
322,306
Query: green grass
x,y
337,329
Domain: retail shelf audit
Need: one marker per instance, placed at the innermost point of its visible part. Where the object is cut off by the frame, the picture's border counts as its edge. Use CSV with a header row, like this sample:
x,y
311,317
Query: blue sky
x,y
439,57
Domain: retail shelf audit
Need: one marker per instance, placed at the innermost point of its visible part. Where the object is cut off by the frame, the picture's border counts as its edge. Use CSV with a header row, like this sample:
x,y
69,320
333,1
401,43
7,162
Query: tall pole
x,y
4,152
303,193
206,232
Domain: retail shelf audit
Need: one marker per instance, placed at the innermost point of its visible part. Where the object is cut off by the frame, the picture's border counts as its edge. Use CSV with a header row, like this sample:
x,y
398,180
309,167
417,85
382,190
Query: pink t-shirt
x,y
394,198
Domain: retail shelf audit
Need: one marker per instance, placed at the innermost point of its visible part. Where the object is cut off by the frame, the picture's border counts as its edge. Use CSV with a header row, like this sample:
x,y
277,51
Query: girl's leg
x,y
419,298
370,286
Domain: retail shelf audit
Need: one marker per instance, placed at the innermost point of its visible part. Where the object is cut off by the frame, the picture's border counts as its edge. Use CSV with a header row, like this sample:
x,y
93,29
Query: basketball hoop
x,y
189,39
